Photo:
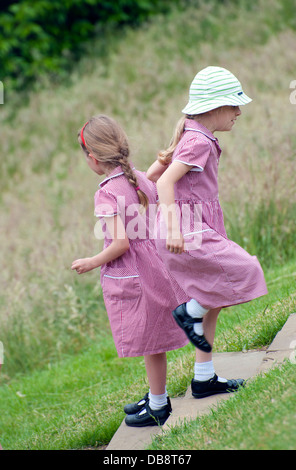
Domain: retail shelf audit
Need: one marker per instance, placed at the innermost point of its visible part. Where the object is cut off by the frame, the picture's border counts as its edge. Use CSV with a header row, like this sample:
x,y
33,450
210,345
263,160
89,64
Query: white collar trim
x,y
110,177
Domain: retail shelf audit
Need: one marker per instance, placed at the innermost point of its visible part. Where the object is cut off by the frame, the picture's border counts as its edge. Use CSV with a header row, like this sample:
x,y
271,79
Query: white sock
x,y
195,310
157,401
205,371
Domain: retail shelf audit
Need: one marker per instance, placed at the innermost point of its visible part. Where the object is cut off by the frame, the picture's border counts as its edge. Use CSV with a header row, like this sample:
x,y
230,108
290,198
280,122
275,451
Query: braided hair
x,y
102,137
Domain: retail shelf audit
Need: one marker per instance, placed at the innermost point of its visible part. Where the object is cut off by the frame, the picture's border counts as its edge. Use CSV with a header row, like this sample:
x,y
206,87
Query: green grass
x,y
60,380
253,324
77,402
69,405
261,416
47,190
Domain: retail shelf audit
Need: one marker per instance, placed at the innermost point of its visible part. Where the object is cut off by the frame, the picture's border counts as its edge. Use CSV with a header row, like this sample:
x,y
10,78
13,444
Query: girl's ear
x,y
93,158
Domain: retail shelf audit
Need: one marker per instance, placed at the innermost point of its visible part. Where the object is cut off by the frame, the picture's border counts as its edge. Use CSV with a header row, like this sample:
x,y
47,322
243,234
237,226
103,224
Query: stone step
x,y
231,365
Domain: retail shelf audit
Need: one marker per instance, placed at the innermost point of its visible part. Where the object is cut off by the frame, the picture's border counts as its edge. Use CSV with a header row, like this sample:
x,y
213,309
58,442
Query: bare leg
x,y
209,325
206,382
156,368
158,408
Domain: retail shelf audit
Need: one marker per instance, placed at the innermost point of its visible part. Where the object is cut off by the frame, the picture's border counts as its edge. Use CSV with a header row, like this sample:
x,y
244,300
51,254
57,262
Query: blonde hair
x,y
103,138
165,156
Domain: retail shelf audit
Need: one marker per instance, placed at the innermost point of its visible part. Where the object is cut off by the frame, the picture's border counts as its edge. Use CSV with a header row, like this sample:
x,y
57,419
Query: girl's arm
x,y
118,246
166,194
155,171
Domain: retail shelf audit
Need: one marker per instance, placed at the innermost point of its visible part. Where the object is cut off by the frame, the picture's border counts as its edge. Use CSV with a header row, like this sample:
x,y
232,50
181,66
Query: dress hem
x,y
158,351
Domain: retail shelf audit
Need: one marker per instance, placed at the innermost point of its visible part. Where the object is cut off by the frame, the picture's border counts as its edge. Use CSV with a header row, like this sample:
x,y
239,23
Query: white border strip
x,y
195,167
121,277
200,231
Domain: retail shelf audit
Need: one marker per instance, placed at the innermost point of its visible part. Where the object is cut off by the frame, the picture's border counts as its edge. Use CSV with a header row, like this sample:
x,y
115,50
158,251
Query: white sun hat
x,y
213,87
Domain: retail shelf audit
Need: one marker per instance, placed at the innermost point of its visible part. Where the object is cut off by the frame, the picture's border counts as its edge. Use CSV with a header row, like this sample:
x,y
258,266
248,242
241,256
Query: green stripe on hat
x,y
213,87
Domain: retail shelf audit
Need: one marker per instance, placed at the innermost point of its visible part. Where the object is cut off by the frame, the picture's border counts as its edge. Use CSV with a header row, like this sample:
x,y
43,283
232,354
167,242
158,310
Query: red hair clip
x,y
81,134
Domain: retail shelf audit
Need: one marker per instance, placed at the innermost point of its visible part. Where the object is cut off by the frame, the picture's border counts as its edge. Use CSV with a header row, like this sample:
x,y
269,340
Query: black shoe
x,y
148,417
186,322
213,387
133,408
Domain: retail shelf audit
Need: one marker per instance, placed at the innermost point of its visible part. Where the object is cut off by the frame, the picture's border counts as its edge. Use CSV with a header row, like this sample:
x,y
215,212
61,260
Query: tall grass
x,y
47,190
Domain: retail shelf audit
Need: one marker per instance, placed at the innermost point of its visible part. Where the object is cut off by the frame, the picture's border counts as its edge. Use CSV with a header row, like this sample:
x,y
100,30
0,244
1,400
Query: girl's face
x,y
225,117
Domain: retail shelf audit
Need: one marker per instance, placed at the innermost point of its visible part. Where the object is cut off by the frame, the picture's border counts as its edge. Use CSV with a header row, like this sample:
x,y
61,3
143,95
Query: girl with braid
x,y
139,293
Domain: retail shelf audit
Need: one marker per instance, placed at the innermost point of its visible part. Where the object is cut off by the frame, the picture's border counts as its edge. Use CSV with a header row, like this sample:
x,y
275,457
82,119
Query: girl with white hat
x,y
214,271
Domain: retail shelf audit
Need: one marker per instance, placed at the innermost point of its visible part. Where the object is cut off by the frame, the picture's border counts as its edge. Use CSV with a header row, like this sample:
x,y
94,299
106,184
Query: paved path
x,y
230,365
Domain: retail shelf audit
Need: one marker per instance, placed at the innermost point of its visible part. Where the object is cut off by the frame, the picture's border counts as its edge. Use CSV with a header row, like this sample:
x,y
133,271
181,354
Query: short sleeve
x,y
105,204
194,152
155,193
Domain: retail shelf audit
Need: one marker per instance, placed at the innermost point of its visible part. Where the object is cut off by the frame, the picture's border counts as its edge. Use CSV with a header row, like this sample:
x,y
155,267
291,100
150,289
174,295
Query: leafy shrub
x,y
42,36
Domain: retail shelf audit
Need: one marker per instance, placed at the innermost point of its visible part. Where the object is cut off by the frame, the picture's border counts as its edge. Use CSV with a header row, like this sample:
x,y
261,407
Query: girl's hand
x,y
119,245
83,265
175,243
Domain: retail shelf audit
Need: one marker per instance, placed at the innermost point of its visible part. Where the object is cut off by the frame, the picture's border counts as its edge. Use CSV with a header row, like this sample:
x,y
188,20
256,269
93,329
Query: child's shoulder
x,y
146,185
193,137
193,143
143,176
119,185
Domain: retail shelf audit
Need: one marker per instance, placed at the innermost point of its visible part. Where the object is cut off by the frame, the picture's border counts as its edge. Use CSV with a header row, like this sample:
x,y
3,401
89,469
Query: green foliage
x,y
267,229
48,36
45,36
61,377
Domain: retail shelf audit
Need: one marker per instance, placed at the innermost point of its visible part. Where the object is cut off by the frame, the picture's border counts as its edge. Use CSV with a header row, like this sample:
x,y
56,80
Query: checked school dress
x,y
213,270
139,293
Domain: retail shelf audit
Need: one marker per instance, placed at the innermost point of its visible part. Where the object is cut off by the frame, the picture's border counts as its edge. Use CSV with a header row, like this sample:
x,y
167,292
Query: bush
x,y
45,36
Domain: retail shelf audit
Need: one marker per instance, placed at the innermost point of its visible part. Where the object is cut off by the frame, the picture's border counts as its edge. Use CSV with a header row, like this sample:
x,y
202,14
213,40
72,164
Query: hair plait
x,y
108,143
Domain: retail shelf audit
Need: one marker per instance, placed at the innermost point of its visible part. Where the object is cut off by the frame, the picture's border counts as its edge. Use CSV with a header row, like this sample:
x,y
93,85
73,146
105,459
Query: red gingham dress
x,y
214,270
139,293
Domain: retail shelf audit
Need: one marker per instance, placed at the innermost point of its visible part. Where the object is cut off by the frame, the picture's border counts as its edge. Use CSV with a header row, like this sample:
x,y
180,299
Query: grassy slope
x,y
259,417
78,402
53,324
46,210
